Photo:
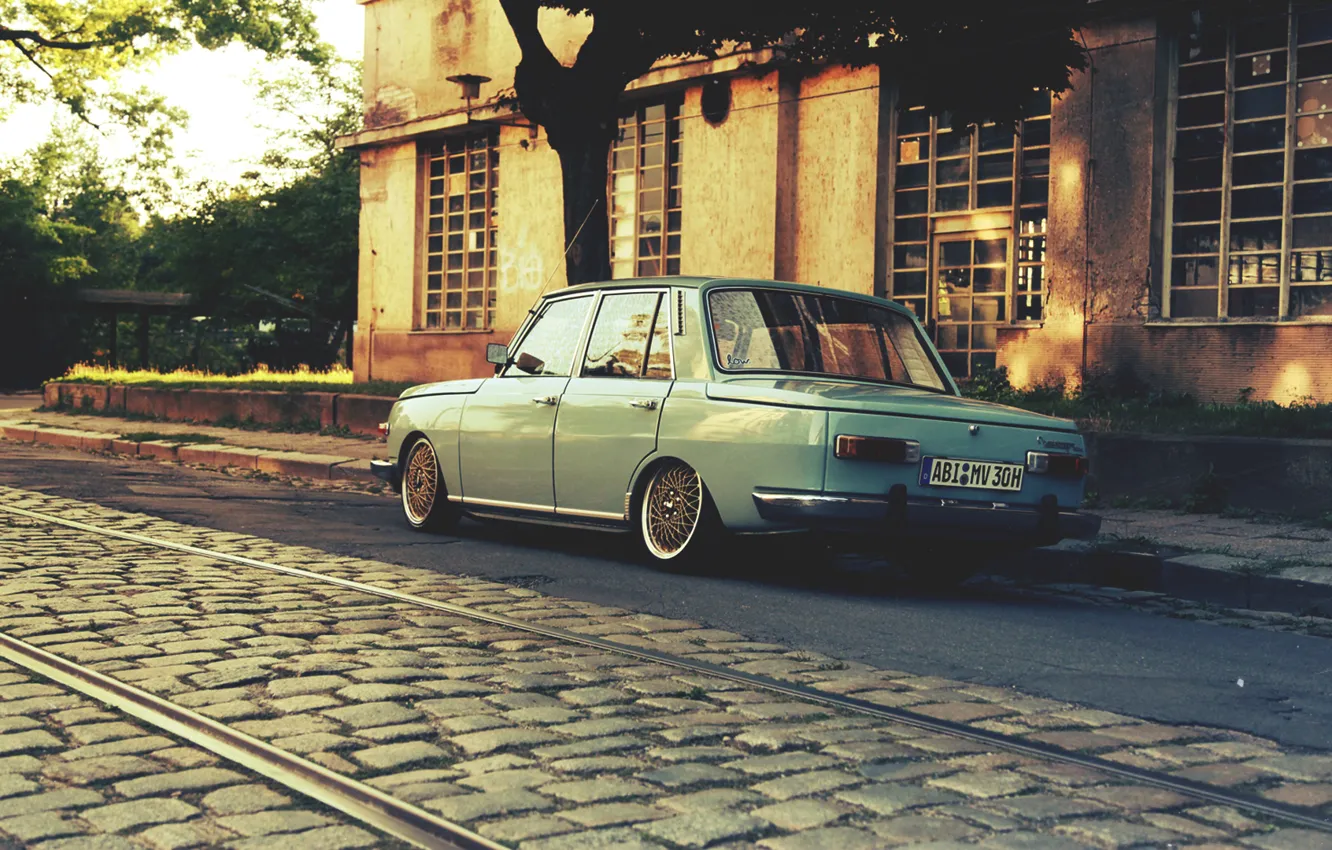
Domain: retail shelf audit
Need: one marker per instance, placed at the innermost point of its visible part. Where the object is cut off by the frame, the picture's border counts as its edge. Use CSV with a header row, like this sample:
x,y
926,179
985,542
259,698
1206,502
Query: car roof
x,y
708,282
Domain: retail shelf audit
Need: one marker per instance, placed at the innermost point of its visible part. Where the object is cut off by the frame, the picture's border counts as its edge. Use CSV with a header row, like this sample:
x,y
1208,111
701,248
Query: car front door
x,y
505,440
608,417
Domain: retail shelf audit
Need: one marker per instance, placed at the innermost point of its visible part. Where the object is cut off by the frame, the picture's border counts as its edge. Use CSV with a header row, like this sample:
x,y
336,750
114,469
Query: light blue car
x,y
676,408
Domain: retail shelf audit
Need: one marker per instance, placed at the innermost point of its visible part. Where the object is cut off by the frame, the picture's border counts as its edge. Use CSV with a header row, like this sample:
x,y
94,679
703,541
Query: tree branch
x,y
15,36
522,15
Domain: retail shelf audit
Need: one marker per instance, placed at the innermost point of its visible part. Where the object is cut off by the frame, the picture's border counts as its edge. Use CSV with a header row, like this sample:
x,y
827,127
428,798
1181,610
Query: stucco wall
x,y
730,182
387,247
411,46
836,180
530,257
1104,135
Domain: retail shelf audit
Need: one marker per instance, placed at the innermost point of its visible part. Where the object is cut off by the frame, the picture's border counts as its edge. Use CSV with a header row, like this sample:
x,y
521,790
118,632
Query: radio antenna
x,y
531,311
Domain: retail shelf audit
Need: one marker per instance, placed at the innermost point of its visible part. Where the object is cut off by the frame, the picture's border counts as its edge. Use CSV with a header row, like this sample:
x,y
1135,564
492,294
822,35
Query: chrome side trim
x,y
517,506
589,514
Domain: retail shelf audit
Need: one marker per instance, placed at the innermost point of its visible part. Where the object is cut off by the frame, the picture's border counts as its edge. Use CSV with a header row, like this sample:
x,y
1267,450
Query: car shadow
x,y
794,561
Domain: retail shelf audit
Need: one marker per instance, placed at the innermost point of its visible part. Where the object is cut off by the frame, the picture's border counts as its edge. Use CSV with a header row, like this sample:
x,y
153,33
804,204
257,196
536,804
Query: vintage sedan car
x,y
674,408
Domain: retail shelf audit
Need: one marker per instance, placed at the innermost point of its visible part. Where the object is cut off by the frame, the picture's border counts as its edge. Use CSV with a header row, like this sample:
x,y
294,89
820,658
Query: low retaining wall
x,y
360,414
1292,477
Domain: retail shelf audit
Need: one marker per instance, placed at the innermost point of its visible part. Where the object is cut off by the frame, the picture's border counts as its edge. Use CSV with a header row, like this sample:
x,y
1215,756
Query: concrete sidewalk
x,y
1260,546
303,455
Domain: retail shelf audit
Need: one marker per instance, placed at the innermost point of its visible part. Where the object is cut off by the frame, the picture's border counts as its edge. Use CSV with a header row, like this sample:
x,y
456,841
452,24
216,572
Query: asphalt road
x,y
1144,665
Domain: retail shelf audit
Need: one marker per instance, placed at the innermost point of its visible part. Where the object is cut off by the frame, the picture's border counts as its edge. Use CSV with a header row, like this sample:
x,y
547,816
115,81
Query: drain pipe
x,y
1087,206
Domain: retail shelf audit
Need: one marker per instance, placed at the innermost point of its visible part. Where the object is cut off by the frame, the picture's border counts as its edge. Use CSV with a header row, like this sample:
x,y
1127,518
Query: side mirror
x,y
529,364
497,353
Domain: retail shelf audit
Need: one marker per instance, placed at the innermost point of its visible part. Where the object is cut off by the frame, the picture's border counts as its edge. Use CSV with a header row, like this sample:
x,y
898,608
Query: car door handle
x,y
546,399
645,403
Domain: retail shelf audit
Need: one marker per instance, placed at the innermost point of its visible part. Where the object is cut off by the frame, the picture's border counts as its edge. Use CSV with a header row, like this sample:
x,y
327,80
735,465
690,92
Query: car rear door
x,y
608,416
505,439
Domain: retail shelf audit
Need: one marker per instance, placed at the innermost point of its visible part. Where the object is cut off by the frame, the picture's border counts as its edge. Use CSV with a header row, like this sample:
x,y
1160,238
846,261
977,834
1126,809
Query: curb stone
x,y
302,464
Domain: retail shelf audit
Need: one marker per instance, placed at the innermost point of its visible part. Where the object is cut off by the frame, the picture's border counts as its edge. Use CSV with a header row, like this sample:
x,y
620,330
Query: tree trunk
x,y
584,169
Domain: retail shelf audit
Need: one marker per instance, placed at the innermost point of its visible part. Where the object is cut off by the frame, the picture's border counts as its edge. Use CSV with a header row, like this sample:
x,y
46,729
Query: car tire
x,y
425,502
677,523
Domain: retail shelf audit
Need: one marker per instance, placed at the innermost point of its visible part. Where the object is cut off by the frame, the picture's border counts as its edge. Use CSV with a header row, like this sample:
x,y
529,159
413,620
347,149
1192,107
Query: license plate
x,y
972,474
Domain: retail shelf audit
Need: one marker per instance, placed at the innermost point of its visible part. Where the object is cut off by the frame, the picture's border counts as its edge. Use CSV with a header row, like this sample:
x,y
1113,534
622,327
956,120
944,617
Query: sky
x,y
225,135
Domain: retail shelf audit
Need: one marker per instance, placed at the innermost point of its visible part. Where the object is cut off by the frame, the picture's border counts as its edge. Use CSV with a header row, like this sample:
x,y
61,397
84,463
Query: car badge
x,y
974,429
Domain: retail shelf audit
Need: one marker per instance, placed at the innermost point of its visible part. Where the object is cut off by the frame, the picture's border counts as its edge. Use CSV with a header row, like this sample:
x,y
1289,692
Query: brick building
x,y
1170,216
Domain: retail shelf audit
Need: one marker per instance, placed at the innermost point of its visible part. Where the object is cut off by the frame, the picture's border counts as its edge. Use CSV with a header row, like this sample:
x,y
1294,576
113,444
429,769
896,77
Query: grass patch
x,y
156,436
335,380
1121,403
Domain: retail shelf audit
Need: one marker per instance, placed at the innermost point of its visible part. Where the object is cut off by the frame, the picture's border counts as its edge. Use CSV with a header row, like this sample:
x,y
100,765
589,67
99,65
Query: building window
x,y
1251,196
992,185
462,220
645,194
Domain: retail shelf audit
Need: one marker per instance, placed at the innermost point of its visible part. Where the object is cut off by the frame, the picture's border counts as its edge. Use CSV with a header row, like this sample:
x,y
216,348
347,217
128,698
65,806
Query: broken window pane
x,y
1311,301
1263,168
914,176
1312,198
1260,102
952,171
908,283
1206,142
1260,136
1196,79
1314,26
1194,271
1260,34
1261,302
1197,239
1193,303
1315,61
1255,235
1197,111
989,195
1315,232
1256,203
1198,206
954,199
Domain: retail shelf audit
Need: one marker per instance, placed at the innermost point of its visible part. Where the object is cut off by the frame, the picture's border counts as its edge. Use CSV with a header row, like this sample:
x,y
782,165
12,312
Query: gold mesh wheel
x,y
420,483
672,508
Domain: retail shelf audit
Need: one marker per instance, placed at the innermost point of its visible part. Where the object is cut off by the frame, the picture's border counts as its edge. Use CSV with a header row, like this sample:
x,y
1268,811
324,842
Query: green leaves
x,y
68,50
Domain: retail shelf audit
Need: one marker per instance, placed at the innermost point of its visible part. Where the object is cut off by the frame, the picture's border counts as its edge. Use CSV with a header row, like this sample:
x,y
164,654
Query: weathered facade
x,y
1170,217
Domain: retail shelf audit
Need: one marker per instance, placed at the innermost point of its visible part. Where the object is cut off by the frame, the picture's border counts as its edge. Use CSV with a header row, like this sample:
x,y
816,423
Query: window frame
x,y
672,144
526,330
663,305
972,218
1287,252
442,149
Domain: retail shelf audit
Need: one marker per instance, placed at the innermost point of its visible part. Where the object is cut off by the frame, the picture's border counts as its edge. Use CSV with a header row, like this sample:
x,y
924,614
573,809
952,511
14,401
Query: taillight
x,y
1063,466
383,429
877,448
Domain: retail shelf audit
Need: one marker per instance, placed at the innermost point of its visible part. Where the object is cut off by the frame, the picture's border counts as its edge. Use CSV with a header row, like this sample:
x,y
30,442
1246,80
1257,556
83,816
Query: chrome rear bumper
x,y
915,517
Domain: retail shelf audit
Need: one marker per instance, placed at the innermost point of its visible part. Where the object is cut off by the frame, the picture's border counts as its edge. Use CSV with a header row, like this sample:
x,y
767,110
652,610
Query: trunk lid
x,y
906,402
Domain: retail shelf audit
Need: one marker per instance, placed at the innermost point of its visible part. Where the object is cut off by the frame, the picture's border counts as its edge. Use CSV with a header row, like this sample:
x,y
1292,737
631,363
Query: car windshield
x,y
774,330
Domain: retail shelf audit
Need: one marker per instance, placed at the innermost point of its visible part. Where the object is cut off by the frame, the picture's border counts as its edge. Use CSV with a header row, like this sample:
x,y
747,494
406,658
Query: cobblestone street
x,y
540,743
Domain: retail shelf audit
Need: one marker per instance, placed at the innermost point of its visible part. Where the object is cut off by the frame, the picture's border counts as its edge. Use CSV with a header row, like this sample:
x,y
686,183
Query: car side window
x,y
551,343
627,338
